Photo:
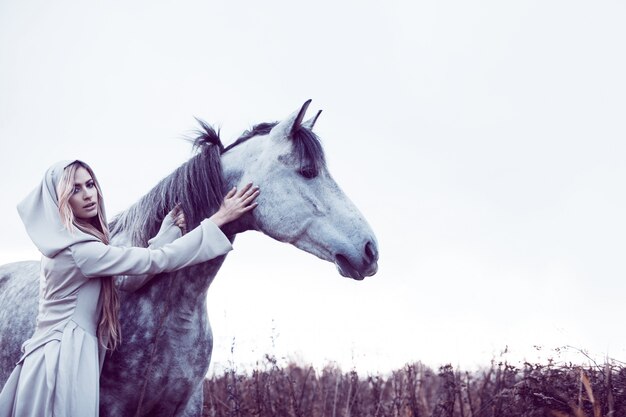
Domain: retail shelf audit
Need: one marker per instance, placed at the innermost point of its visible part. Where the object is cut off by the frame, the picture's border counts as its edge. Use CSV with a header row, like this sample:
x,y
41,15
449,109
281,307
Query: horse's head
x,y
300,203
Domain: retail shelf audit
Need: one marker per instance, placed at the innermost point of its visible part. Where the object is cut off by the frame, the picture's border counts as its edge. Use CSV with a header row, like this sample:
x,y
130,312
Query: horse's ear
x,y
292,123
311,122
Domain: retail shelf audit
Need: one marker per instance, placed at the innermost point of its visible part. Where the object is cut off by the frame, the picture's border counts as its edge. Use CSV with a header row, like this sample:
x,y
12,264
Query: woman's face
x,y
84,198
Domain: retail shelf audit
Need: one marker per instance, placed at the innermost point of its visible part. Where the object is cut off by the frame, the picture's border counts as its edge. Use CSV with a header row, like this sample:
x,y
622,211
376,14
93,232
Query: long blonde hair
x,y
109,334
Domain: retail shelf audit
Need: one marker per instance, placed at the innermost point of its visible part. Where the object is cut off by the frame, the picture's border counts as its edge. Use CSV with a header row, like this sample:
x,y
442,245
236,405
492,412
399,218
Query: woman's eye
x,y
90,185
76,189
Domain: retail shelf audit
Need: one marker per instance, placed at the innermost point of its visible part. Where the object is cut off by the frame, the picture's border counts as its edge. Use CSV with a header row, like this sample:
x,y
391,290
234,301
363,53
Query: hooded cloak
x,y
39,212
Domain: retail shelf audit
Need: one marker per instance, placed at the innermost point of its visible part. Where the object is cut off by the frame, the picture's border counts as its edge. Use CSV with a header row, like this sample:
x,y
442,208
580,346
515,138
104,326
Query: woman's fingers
x,y
243,203
251,197
251,191
249,207
235,204
177,210
247,191
179,217
244,190
231,193
245,195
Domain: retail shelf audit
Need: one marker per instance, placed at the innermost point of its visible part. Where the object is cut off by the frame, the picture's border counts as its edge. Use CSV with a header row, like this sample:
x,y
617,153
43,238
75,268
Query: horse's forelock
x,y
309,149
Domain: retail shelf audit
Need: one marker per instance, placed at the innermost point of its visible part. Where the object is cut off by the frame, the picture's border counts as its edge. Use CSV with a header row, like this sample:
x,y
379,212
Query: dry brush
x,y
500,390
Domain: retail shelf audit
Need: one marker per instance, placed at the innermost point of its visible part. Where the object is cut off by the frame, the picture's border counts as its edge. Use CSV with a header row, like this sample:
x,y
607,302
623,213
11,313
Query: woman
x,y
58,372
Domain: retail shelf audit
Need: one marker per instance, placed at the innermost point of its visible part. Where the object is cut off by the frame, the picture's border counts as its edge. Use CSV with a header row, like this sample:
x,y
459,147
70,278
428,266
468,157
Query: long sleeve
x,y
205,242
168,232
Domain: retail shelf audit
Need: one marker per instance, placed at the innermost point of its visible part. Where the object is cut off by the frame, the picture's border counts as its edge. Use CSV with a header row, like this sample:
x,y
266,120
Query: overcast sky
x,y
483,141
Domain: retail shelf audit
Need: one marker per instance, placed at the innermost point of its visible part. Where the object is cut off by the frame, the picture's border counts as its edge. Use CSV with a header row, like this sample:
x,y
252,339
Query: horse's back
x,y
19,292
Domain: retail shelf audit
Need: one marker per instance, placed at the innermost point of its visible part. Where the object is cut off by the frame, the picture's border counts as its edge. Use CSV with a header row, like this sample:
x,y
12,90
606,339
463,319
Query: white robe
x,y
58,374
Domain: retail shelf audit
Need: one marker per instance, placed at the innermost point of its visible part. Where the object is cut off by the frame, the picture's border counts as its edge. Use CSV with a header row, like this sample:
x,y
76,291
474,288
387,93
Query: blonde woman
x,y
59,370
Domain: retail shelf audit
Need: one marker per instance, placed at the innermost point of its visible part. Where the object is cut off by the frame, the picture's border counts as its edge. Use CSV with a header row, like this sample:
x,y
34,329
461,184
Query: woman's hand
x,y
236,204
178,215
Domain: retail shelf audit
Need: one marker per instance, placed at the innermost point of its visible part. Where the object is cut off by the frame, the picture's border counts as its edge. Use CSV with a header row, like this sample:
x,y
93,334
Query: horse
x,y
159,368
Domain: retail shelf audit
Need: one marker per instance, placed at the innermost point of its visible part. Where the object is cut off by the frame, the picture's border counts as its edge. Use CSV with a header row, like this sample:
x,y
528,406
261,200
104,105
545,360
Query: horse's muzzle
x,y
359,267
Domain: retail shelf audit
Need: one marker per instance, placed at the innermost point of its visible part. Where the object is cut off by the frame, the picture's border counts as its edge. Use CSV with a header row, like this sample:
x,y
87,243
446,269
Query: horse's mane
x,y
198,184
257,130
307,146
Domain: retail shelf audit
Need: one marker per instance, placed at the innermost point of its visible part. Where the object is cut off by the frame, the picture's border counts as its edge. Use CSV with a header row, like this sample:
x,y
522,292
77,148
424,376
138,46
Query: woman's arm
x,y
170,230
205,242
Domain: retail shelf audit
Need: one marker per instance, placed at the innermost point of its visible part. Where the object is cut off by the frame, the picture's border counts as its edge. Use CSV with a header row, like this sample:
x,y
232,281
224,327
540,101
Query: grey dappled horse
x,y
167,340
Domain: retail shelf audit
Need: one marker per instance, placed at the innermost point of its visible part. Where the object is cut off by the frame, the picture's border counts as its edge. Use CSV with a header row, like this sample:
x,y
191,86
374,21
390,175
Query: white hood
x,y
40,213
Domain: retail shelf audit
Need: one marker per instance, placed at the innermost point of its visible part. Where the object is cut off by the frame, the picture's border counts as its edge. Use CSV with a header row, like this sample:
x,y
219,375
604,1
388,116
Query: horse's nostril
x,y
370,252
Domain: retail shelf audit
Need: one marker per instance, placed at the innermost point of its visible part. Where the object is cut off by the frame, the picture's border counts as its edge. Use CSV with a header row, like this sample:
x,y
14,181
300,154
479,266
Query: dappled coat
x,y
58,373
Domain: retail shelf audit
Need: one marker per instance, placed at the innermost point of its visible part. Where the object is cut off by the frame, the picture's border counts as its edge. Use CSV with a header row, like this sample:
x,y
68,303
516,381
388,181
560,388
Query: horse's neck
x,y
232,163
180,292
191,283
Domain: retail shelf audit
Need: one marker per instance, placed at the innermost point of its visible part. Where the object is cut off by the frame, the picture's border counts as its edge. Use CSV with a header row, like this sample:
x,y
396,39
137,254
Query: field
x,y
531,390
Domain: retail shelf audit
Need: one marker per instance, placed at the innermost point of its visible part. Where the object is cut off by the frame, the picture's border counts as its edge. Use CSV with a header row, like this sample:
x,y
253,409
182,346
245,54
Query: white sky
x,y
484,142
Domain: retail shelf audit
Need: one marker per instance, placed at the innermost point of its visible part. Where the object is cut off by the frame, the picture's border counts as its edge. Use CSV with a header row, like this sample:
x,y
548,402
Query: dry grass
x,y
532,390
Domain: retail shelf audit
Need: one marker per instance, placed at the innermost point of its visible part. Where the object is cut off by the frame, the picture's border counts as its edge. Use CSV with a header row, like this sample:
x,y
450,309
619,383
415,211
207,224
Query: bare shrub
x,y
501,390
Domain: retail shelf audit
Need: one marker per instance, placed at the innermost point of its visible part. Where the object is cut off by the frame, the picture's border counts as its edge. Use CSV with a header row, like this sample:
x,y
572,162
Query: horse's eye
x,y
308,172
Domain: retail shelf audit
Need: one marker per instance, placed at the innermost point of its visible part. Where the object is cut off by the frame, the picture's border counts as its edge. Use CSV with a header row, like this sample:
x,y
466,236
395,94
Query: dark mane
x,y
207,136
307,146
257,130
197,185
